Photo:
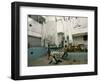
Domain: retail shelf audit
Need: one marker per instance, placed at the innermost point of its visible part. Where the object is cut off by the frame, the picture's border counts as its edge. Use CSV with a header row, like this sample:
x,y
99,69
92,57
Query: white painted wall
x,y
5,41
51,31
35,29
83,21
57,24
73,28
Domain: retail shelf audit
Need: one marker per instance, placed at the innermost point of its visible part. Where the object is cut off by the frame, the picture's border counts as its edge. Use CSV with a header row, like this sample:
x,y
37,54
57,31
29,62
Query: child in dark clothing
x,y
49,52
65,52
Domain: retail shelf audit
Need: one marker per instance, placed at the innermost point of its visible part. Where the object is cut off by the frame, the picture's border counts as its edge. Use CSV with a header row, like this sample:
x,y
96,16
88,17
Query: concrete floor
x,y
72,59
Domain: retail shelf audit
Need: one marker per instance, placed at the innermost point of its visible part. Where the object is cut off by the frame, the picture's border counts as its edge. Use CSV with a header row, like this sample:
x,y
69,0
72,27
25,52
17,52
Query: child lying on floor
x,y
53,60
